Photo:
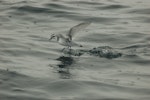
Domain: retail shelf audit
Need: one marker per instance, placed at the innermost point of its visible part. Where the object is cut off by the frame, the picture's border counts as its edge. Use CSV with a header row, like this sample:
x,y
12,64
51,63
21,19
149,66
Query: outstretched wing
x,y
77,28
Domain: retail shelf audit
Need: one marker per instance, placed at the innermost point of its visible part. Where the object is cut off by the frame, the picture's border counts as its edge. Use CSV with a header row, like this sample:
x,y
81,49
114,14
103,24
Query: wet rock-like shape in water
x,y
105,51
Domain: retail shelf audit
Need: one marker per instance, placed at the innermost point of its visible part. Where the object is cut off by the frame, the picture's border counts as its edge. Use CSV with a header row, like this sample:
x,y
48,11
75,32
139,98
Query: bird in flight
x,y
67,40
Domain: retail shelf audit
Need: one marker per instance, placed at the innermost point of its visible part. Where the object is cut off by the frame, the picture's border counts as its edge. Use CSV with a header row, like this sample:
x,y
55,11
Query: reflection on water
x,y
64,66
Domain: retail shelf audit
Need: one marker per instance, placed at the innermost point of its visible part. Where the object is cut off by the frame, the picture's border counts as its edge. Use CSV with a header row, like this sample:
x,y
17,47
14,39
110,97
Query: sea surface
x,y
34,68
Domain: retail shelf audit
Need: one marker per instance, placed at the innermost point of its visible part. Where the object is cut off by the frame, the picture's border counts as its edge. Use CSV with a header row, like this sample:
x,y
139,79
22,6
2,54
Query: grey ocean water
x,y
33,68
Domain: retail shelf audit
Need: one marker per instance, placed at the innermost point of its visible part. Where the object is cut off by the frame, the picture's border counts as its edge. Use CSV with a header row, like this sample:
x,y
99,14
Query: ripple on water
x,y
140,11
42,10
112,7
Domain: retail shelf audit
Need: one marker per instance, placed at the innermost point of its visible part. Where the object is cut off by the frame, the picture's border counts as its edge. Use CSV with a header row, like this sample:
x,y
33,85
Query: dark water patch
x,y
32,9
85,3
65,61
140,11
58,6
112,7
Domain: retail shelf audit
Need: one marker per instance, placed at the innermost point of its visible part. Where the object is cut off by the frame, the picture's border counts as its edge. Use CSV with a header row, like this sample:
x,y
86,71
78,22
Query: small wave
x,y
104,51
6,39
7,73
140,11
58,6
112,7
24,52
146,20
135,46
86,3
32,9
